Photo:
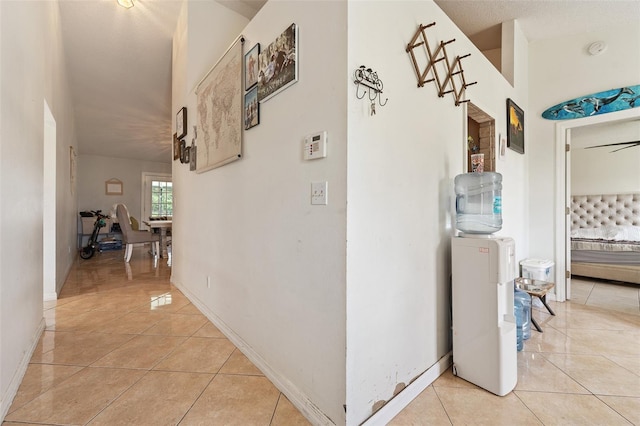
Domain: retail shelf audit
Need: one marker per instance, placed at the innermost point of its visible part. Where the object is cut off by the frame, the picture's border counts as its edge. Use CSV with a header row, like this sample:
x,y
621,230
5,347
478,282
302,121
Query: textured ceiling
x,y
539,19
119,60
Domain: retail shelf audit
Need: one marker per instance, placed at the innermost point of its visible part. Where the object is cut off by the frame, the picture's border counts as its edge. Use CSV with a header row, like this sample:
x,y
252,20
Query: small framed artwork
x,y
113,187
278,64
251,67
515,127
187,155
251,109
193,154
181,123
183,151
176,147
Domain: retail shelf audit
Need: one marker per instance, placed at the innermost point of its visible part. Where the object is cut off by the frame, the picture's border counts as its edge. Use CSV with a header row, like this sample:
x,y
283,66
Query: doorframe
x,y
562,137
49,222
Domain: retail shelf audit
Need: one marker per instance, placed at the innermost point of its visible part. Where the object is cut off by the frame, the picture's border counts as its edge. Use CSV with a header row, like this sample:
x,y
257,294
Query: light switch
x,y
319,193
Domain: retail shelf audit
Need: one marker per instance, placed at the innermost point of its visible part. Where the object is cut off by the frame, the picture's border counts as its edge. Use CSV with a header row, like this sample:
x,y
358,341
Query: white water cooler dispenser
x,y
484,326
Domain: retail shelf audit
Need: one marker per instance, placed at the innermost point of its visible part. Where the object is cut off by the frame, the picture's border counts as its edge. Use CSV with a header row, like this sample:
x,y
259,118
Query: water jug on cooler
x,y
478,202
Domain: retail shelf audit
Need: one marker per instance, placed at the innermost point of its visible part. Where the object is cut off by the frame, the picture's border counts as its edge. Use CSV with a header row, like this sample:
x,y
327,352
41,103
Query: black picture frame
x,y
176,147
181,123
251,111
515,127
251,67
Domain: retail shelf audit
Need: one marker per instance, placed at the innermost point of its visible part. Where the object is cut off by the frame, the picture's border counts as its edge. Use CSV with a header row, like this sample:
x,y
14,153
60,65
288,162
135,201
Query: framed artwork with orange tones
x,y
515,127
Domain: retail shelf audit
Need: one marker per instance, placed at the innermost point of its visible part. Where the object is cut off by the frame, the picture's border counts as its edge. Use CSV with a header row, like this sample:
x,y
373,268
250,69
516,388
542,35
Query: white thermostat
x,y
315,146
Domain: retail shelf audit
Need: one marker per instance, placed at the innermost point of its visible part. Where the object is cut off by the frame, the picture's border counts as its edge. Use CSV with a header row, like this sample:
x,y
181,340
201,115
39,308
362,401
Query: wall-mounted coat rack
x,y
430,72
368,78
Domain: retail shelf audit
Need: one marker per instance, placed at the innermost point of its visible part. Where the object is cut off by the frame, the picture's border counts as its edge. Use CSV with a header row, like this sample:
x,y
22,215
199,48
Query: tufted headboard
x,y
593,211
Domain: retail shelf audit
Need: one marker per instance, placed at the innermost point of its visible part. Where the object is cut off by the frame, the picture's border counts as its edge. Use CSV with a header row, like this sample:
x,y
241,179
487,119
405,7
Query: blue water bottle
x,y
525,300
519,313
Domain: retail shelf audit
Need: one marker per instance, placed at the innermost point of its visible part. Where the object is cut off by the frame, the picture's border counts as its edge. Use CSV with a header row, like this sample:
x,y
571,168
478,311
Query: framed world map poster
x,y
220,111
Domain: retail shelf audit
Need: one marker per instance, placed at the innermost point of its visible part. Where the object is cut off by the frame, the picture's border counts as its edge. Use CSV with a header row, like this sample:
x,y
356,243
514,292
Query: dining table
x,y
163,226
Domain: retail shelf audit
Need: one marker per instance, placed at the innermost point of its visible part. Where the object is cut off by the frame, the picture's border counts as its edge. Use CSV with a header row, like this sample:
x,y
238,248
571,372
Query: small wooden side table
x,y
535,288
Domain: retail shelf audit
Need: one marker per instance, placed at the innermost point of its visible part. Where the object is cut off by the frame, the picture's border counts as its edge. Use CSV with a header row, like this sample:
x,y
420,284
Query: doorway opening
x,y
481,131
563,192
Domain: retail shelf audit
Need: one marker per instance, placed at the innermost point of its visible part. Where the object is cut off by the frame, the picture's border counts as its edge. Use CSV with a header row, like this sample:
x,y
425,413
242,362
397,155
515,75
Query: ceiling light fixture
x,y
127,4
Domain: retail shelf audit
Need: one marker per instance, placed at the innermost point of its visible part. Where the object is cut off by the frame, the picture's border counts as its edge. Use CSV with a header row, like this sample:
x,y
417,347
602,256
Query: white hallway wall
x,y
56,88
278,265
562,70
600,170
401,166
31,70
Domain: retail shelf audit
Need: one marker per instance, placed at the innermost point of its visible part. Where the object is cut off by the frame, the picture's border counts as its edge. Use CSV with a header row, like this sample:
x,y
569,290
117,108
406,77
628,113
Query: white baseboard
x,y
12,389
408,394
297,398
48,297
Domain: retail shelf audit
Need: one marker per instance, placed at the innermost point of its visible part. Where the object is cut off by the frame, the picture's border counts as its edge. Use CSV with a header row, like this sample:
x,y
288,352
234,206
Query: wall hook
x,y
364,92
366,77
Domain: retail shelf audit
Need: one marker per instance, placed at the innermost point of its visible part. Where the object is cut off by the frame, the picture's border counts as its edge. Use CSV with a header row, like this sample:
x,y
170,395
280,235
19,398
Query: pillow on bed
x,y
610,233
627,233
600,233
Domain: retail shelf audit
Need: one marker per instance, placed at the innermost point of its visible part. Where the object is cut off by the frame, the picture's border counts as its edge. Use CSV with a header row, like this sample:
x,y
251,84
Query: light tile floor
x,y
122,346
583,369
618,296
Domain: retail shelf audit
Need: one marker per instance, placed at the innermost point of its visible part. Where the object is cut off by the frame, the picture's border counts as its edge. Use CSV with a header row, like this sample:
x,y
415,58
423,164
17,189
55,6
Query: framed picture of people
x,y
251,67
251,109
278,64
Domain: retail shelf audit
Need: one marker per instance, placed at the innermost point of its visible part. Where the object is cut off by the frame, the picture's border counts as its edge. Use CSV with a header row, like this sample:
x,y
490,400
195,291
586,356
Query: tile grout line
x,y
275,408
197,398
527,407
435,390
613,408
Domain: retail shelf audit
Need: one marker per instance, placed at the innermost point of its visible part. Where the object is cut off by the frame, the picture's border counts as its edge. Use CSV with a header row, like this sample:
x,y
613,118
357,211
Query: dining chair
x,y
131,237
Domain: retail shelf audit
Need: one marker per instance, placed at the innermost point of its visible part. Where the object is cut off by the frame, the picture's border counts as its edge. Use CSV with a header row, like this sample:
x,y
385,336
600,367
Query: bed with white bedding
x,y
605,236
